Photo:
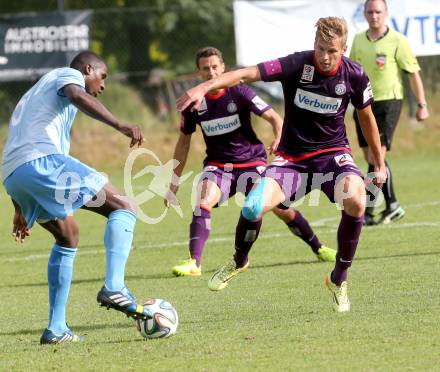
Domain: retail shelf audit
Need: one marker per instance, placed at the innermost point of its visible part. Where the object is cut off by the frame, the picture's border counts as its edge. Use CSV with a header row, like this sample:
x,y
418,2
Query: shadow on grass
x,y
99,280
262,266
29,248
81,329
356,259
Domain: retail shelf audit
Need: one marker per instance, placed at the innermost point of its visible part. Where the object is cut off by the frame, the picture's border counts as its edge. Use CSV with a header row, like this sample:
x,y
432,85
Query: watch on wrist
x,y
422,105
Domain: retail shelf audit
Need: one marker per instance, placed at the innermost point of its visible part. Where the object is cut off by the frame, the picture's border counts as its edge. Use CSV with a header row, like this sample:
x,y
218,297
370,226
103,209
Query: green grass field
x,y
277,316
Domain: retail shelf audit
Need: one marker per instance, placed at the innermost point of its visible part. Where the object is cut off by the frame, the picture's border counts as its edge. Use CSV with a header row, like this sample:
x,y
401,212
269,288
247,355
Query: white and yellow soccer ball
x,y
164,322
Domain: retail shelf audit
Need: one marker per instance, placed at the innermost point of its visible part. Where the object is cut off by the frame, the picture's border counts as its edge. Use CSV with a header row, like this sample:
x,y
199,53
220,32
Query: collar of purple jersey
x,y
219,94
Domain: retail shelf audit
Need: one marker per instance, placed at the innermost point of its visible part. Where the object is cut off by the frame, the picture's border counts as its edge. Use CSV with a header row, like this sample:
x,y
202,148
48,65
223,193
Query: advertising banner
x,y
31,45
266,30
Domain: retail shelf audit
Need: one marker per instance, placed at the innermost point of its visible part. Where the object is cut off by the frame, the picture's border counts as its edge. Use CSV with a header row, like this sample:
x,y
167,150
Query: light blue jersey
x,y
41,122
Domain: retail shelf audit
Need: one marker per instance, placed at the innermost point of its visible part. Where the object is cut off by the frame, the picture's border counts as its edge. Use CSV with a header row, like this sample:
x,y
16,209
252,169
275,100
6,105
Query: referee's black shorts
x,y
387,114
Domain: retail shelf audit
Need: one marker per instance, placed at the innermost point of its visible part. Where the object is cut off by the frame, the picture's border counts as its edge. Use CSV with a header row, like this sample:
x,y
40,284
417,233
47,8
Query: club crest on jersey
x,y
232,107
381,60
343,160
340,89
308,72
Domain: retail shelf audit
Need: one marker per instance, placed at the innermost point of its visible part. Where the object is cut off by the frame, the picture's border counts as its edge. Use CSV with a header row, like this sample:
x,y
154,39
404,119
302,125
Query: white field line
x,y
265,236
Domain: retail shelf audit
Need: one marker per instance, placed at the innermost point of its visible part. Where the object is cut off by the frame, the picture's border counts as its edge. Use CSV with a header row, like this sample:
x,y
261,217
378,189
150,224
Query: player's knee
x,y
128,204
68,237
206,206
354,207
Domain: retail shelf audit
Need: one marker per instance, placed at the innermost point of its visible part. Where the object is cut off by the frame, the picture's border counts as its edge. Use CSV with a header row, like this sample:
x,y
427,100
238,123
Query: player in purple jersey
x,y
313,150
235,158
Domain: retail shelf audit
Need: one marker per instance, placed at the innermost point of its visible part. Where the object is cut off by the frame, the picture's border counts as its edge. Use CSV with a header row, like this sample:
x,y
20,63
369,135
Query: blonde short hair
x,y
330,28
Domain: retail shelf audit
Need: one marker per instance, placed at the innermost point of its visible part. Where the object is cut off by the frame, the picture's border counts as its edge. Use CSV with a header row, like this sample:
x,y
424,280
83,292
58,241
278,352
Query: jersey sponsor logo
x,y
343,160
316,102
259,103
216,127
340,89
232,107
308,72
203,107
368,93
381,60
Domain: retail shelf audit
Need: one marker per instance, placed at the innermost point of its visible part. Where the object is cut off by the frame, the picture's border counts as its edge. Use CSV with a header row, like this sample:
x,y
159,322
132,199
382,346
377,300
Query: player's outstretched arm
x,y
272,117
371,133
195,95
180,155
95,109
417,88
19,225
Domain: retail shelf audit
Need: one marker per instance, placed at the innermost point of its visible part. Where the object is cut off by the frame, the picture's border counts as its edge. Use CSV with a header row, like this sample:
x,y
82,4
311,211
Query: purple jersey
x,y
225,120
315,102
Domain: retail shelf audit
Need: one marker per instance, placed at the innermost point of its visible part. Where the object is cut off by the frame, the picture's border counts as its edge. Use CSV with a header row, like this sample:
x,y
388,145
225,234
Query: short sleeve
x,y
188,121
277,69
405,57
253,101
69,76
362,94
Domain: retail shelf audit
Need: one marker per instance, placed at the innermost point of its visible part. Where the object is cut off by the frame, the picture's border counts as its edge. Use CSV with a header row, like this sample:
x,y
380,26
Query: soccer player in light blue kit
x,y
47,185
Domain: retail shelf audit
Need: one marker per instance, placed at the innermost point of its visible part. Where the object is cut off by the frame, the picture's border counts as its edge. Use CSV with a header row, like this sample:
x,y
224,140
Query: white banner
x,y
266,30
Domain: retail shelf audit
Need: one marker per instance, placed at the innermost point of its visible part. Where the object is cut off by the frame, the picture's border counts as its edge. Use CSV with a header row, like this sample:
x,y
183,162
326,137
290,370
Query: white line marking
x,y
266,236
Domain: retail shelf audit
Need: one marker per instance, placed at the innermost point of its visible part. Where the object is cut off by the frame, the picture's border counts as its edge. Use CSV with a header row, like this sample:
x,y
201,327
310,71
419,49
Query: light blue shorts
x,y
53,187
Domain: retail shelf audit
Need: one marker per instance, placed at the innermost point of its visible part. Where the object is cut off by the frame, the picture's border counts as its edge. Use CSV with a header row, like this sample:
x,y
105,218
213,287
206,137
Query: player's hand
x,y
192,97
170,199
19,229
422,114
380,175
273,146
134,132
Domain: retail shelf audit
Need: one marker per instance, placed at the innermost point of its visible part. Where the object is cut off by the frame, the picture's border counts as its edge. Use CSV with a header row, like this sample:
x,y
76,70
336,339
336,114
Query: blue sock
x,y
117,239
59,277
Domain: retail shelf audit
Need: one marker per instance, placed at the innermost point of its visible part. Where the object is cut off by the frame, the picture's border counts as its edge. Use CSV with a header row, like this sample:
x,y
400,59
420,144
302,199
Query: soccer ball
x,y
164,322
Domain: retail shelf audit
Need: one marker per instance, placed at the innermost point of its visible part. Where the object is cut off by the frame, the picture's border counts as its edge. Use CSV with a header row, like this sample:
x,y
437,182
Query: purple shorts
x,y
320,172
232,180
